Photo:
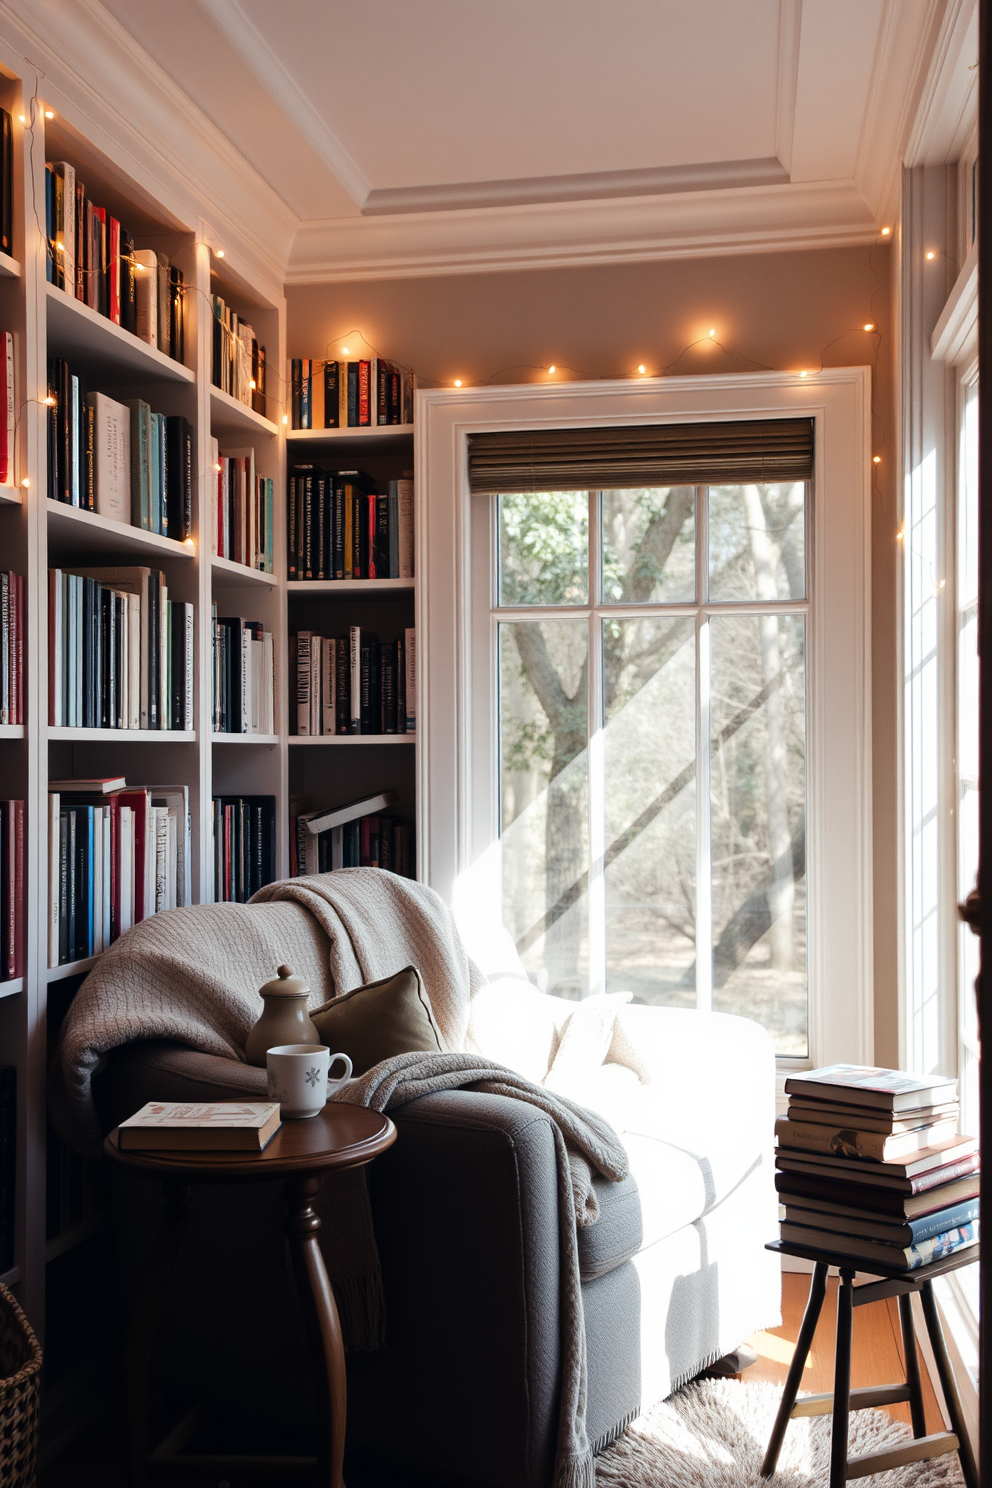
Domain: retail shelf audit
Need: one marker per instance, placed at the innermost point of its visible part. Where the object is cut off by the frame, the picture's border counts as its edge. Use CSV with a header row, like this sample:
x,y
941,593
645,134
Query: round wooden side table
x,y
300,1153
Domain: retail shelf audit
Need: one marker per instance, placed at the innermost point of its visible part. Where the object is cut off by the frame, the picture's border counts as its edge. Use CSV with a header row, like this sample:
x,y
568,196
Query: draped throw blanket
x,y
192,975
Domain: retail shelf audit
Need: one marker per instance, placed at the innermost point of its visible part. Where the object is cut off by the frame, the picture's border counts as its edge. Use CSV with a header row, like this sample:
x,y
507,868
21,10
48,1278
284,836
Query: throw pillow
x,y
374,1022
585,1039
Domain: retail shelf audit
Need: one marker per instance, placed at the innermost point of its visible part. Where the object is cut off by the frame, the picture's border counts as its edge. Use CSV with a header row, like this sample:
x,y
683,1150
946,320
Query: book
x,y
322,821
848,1141
244,845
879,1174
866,1119
99,785
146,295
922,1161
903,1258
881,1202
217,1126
8,409
859,1085
888,1231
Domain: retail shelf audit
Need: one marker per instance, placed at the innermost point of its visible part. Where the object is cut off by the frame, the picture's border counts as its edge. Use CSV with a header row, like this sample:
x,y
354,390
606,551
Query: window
x,y
650,651
658,724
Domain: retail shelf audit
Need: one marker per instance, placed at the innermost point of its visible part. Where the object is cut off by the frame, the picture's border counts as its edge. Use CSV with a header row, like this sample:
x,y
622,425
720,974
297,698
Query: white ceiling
x,y
420,137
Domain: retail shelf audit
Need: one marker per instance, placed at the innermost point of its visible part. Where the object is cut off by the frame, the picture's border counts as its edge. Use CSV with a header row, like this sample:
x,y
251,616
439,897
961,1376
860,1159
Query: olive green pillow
x,y
379,1020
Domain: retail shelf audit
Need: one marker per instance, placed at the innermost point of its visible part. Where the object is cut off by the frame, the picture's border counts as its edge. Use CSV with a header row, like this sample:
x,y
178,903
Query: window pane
x,y
649,547
544,797
544,548
650,806
758,793
757,542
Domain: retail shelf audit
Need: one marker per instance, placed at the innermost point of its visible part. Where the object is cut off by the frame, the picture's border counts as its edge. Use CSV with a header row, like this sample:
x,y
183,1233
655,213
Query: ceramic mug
x,y
299,1077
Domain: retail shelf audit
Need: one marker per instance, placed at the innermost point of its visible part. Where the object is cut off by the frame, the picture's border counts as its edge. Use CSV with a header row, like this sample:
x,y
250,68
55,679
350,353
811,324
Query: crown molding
x,y
947,100
561,234
107,86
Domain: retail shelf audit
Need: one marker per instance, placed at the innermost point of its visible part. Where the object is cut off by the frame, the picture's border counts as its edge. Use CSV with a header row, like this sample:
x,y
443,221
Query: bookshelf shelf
x,y
83,336
313,739
230,575
350,588
10,495
12,987
70,969
229,415
9,269
267,739
383,435
94,533
123,736
11,731
77,1234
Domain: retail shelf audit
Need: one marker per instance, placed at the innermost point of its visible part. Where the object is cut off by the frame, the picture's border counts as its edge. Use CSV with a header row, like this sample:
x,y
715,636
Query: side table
x,y
842,1400
300,1153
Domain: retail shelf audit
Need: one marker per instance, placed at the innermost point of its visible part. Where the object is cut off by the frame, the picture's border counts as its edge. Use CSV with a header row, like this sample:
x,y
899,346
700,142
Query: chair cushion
x,y
374,1022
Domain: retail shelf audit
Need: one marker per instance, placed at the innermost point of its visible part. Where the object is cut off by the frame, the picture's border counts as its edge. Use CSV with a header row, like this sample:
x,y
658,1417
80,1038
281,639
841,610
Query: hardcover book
x,y
860,1085
221,1126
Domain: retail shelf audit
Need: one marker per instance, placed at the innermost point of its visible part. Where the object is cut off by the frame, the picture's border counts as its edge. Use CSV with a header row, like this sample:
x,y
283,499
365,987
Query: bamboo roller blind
x,y
752,452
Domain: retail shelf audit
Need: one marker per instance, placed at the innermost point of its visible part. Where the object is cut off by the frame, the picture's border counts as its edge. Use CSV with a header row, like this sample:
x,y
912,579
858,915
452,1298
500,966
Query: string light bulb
x,y
49,114
930,254
712,332
26,482
22,118
803,374
458,382
876,459
251,382
219,253
344,351
49,401
285,418
552,367
886,231
642,369
869,325
217,466
900,535
190,544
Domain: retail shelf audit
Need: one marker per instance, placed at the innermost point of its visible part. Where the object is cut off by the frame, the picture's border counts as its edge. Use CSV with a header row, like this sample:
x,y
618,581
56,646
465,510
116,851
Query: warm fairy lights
x,y
49,401
458,382
642,369
26,482
869,325
49,114
886,231
712,333
876,459
219,253
930,254
552,367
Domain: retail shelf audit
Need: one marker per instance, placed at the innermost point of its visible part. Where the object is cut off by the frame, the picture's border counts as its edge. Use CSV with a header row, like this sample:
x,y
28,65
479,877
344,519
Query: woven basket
x,y
20,1389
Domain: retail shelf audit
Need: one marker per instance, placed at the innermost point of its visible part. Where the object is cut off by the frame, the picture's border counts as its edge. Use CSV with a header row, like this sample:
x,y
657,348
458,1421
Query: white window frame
x,y
459,827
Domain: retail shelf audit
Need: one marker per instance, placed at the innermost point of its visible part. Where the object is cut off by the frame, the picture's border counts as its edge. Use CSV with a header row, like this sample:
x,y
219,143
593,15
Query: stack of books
x,y
93,258
120,460
354,684
120,651
244,676
357,835
11,890
237,359
115,856
342,526
366,394
244,846
243,509
11,647
871,1166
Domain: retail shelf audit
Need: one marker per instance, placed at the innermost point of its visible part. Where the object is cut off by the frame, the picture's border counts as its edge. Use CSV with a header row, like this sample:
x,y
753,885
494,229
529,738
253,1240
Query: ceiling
x,y
420,137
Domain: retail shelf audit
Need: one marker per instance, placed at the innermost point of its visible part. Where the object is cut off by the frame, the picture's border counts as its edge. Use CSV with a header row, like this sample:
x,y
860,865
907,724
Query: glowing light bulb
x,y
942,583
251,382
876,459
22,118
803,374
712,331
900,535
869,325
552,367
344,351
49,401
642,369
49,114
458,382
190,544
26,482
219,253
60,247
930,254
285,418
886,231
217,466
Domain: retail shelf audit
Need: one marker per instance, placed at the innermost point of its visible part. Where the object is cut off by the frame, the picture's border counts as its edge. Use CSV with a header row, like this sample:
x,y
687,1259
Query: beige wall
x,y
778,310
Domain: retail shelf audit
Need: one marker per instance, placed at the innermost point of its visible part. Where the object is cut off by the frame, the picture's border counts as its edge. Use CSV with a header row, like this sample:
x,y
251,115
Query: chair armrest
x,y
158,1069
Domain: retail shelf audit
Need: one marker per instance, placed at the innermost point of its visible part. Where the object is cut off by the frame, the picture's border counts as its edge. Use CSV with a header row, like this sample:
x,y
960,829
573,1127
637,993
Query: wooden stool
x,y
843,1399
300,1153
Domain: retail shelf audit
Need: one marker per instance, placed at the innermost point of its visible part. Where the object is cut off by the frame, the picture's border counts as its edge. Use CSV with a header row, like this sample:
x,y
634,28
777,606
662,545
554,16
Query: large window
x,y
650,648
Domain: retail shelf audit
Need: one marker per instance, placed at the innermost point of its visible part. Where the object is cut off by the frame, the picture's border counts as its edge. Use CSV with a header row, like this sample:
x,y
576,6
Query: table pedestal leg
x,y
817,1291
323,1328
141,1327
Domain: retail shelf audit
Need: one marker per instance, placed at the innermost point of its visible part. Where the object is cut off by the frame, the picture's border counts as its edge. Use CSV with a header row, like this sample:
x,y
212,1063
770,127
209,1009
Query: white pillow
x,y
512,1023
585,1039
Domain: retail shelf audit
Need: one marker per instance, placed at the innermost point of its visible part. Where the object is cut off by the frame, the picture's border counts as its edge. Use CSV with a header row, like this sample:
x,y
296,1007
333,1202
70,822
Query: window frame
x,y
459,830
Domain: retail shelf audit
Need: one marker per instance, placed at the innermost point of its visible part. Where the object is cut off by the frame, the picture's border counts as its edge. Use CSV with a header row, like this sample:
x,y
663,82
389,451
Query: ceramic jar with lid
x,y
284,1019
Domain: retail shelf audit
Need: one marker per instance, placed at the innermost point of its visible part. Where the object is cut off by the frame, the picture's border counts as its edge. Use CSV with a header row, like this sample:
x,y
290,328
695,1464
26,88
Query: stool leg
x,y
141,1328
969,1471
323,1328
911,1352
842,1380
814,1302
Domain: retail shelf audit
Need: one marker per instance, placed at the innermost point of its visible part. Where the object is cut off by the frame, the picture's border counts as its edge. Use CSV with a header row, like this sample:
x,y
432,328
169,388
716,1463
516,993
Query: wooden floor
x,y
876,1355
876,1359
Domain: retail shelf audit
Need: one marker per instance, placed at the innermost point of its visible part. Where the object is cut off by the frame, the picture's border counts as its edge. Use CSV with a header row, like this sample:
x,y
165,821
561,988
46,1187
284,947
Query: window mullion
x,y
596,775
704,856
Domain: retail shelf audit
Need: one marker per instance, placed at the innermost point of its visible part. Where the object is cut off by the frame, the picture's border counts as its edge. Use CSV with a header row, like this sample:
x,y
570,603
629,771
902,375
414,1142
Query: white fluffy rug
x,y
714,1434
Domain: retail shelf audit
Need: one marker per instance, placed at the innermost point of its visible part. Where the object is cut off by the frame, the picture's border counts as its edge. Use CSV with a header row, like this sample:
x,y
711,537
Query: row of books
x,y
244,846
8,409
116,855
93,258
11,896
871,1166
6,182
120,651
341,527
354,684
363,394
356,835
237,359
121,460
243,517
243,677
11,647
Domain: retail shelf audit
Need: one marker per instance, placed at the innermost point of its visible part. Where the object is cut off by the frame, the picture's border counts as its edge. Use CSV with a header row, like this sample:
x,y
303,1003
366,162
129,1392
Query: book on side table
x,y
870,1164
214,1126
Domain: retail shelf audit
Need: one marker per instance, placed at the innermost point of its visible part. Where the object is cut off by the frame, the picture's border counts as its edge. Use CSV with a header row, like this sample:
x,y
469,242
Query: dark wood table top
x,y
837,1257
341,1136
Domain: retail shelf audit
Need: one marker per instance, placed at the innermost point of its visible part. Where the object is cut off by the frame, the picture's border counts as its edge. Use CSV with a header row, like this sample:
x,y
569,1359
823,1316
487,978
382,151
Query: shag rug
x,y
713,1435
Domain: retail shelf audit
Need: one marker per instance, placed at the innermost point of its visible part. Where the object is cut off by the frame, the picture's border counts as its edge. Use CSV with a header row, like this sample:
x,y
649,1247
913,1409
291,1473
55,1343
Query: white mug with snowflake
x,y
299,1077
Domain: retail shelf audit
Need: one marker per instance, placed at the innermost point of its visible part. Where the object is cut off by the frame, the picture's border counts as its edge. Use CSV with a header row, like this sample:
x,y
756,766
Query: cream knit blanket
x,y
192,975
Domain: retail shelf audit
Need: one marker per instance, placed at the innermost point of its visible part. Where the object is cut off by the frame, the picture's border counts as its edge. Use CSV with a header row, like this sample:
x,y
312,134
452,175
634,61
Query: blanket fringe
x,y
577,1472
609,1437
362,1309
